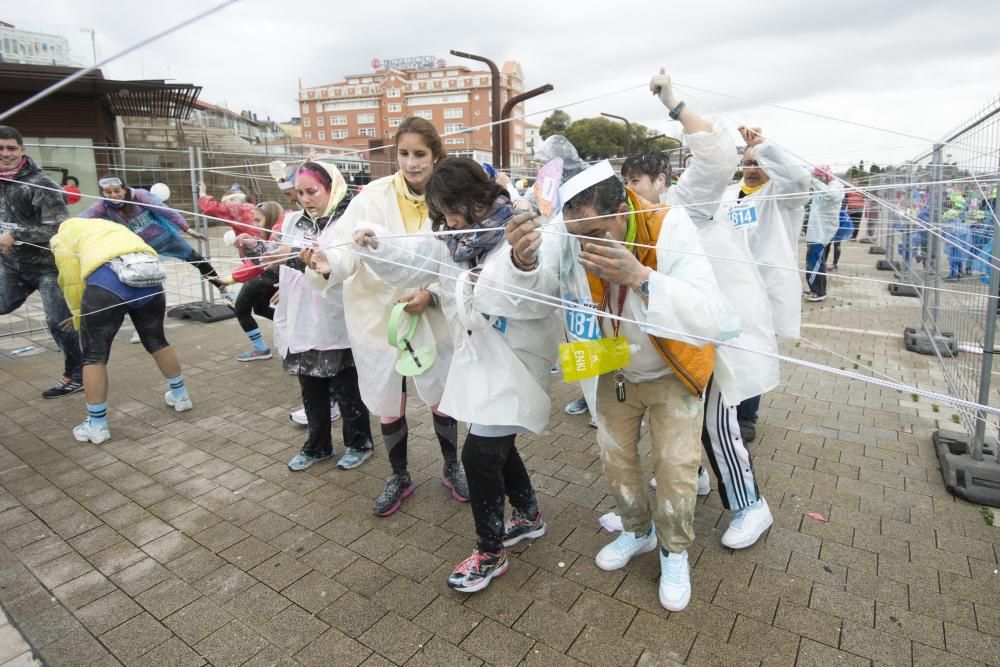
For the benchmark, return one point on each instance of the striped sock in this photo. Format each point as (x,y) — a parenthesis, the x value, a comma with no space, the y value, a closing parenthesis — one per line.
(177,389)
(98,413)
(257,340)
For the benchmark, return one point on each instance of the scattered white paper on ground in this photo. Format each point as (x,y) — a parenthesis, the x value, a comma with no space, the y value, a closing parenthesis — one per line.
(611,522)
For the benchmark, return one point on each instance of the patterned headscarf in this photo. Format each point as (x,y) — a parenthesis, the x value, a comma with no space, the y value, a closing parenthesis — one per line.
(472,246)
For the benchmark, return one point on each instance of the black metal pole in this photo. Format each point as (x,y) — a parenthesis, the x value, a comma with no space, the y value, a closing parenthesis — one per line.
(505,114)
(495,111)
(628,131)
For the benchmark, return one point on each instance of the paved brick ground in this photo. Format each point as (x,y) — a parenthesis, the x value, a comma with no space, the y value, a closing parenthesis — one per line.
(185,540)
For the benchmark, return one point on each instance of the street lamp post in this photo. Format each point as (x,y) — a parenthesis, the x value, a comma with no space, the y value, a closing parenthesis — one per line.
(505,114)
(628,131)
(495,110)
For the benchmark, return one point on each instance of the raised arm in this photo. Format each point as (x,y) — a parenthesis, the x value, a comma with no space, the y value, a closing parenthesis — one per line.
(713,156)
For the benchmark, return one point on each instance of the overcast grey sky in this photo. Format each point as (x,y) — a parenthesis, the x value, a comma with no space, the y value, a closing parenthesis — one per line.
(918,67)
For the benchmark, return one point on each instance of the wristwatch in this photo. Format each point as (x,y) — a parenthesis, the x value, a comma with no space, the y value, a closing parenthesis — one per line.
(644,288)
(675,113)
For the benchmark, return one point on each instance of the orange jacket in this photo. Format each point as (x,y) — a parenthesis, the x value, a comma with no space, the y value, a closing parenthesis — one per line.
(692,365)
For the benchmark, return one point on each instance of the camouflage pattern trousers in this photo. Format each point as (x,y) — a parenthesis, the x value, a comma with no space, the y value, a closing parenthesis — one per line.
(675,419)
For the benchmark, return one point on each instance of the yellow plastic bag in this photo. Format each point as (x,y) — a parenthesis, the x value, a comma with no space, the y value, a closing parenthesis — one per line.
(584,359)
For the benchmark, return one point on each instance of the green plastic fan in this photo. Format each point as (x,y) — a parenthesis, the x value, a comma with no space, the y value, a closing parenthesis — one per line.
(411,361)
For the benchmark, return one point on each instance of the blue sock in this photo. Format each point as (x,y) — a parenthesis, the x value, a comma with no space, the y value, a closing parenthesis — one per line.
(98,413)
(257,340)
(177,389)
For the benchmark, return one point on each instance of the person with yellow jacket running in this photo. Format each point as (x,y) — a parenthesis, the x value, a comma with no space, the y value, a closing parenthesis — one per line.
(106,271)
(648,274)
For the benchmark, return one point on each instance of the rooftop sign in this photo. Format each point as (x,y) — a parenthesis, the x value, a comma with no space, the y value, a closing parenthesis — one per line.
(416,62)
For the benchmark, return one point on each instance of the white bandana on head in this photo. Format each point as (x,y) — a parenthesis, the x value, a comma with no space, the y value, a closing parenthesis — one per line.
(585,179)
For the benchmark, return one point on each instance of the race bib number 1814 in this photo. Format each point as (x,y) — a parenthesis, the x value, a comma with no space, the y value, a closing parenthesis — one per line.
(743,216)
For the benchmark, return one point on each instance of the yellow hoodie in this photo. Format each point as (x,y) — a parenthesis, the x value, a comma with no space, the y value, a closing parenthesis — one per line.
(82,246)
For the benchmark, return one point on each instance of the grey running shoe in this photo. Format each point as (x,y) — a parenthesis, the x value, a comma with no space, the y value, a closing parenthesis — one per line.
(454,478)
(302,460)
(353,457)
(522,527)
(577,407)
(397,487)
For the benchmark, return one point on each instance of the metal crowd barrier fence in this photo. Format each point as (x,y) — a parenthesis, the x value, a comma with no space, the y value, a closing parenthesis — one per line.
(939,240)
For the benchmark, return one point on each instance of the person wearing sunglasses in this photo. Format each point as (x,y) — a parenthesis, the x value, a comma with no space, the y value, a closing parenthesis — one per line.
(158,225)
(31,208)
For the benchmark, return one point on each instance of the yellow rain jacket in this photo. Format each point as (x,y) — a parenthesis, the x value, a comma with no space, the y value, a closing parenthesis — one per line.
(81,247)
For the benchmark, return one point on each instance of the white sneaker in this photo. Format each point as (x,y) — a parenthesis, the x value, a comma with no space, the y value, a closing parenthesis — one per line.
(616,555)
(299,416)
(704,483)
(182,404)
(675,581)
(135,338)
(87,432)
(747,525)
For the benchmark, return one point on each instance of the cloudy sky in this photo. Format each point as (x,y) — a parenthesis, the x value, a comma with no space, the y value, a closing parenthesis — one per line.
(916,67)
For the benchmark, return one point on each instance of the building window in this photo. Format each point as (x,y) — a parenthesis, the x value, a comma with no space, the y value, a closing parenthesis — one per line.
(447,98)
(338,134)
(426,114)
(394,122)
(366,132)
(395,108)
(453,127)
(350,104)
(338,120)
(322,135)
(454,142)
(365,118)
(309,135)
(319,121)
(392,92)
(453,112)
(307,122)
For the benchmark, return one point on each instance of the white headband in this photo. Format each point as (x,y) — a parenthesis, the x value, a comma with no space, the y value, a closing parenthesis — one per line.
(585,179)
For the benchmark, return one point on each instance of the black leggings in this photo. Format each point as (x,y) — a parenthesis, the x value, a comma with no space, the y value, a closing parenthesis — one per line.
(206,270)
(495,471)
(101,316)
(836,253)
(255,297)
(316,395)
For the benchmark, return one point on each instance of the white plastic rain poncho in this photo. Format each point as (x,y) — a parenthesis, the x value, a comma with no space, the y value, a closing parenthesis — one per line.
(305,319)
(740,372)
(770,220)
(368,302)
(824,212)
(499,374)
(692,200)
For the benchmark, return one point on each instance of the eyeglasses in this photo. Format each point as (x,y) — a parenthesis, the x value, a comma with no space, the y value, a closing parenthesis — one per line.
(110,182)
(750,163)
